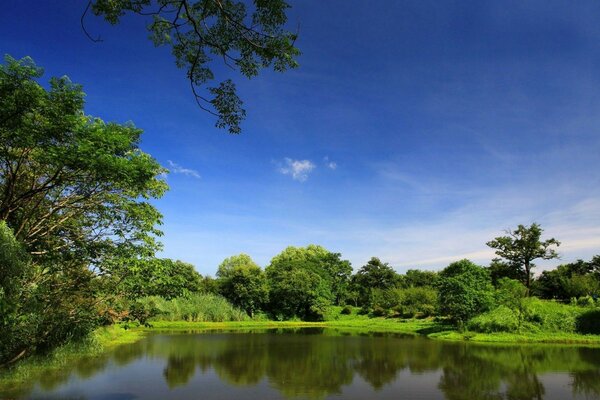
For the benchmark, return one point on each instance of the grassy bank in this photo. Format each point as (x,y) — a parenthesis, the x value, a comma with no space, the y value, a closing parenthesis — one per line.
(35,367)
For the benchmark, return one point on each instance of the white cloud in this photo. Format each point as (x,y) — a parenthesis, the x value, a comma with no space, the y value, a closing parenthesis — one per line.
(329,164)
(298,169)
(178,169)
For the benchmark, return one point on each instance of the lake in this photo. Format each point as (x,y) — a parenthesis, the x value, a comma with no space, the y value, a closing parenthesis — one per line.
(316,363)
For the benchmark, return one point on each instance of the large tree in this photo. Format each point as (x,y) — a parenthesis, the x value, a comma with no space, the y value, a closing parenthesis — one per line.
(305,280)
(523,245)
(241,35)
(375,274)
(74,191)
(243,283)
(464,291)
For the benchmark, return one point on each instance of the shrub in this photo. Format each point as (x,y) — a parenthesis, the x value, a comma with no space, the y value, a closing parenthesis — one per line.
(418,301)
(501,319)
(347,310)
(379,311)
(589,322)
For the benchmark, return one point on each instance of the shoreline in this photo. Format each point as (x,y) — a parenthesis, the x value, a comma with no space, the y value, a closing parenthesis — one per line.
(107,338)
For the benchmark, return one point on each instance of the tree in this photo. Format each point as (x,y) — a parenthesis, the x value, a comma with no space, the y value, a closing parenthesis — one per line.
(303,281)
(522,246)
(375,274)
(464,291)
(418,278)
(511,293)
(499,269)
(243,283)
(160,277)
(203,31)
(74,191)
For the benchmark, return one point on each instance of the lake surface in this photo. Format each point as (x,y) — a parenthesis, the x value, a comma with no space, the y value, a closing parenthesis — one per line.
(322,364)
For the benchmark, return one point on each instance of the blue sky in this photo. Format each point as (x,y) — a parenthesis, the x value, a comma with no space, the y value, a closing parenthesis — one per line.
(413,131)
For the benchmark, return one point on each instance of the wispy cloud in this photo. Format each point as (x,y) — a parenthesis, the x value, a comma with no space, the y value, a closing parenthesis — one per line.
(178,169)
(297,169)
(328,163)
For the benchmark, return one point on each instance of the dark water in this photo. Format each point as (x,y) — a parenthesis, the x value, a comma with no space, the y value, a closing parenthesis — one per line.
(318,364)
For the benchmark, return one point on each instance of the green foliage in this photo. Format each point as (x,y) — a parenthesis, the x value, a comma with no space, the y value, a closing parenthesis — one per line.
(305,281)
(522,246)
(588,322)
(200,33)
(194,308)
(74,190)
(500,319)
(409,302)
(243,283)
(537,316)
(465,290)
(159,277)
(499,269)
(347,310)
(578,279)
(418,278)
(373,276)
(418,301)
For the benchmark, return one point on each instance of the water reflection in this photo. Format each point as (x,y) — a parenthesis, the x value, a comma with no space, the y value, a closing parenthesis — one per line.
(316,364)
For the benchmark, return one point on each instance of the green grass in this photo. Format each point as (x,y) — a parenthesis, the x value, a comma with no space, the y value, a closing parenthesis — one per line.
(34,367)
(505,337)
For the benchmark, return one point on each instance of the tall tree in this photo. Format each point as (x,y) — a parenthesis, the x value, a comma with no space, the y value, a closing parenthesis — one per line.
(305,280)
(74,192)
(243,283)
(375,274)
(524,245)
(244,37)
(464,290)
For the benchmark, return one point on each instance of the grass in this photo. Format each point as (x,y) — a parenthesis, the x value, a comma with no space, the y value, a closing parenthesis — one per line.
(32,368)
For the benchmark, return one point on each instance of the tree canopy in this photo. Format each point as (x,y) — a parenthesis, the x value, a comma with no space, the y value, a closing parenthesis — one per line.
(202,33)
(464,290)
(74,191)
(524,245)
(243,283)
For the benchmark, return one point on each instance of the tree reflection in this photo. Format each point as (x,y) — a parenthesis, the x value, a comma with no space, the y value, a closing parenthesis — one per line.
(324,363)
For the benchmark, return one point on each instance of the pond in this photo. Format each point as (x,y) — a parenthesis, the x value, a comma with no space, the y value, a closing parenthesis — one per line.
(319,364)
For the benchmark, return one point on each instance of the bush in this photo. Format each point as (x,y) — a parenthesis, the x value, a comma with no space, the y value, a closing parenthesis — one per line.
(551,316)
(379,311)
(501,319)
(418,301)
(347,310)
(589,322)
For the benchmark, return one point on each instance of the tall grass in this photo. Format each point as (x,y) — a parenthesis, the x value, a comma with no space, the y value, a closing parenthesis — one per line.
(196,308)
(538,316)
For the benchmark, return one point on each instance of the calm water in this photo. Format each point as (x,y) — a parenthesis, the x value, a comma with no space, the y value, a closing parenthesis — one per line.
(317,364)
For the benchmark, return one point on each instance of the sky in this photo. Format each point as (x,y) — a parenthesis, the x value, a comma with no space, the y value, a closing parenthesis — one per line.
(412,131)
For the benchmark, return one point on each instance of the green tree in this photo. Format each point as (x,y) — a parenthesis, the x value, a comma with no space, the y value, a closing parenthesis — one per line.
(375,274)
(418,278)
(203,33)
(522,246)
(464,291)
(75,192)
(160,277)
(512,294)
(302,281)
(243,283)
